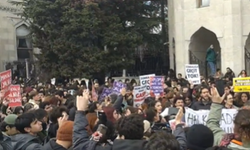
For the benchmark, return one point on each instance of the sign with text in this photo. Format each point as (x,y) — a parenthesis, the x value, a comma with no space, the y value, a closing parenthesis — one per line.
(105,92)
(144,81)
(156,84)
(139,94)
(241,84)
(117,86)
(15,98)
(193,73)
(200,117)
(5,82)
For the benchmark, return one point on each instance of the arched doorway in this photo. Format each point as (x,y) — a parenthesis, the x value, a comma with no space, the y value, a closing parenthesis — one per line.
(247,54)
(199,43)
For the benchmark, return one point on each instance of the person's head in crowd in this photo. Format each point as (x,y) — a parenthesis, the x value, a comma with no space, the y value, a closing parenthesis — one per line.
(187,100)
(131,110)
(152,115)
(27,107)
(59,94)
(185,89)
(24,99)
(112,98)
(156,105)
(41,116)
(112,114)
(127,81)
(57,113)
(94,107)
(34,95)
(179,76)
(64,136)
(243,73)
(130,127)
(55,101)
(244,97)
(173,82)
(242,126)
(27,123)
(162,141)
(179,102)
(175,89)
(8,125)
(228,100)
(18,110)
(46,106)
(199,137)
(227,89)
(204,94)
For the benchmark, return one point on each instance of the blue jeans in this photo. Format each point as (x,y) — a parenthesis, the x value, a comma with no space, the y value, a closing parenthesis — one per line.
(212,68)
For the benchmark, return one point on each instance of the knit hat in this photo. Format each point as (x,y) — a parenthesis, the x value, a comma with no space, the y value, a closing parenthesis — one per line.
(199,137)
(65,132)
(10,119)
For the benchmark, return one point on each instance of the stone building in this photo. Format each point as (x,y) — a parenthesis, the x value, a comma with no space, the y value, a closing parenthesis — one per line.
(15,41)
(196,24)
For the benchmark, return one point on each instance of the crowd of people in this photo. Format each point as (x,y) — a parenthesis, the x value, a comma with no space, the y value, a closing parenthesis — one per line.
(69,116)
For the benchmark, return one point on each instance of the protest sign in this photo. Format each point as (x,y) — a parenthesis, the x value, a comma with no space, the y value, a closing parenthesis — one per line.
(53,81)
(117,86)
(144,81)
(241,84)
(193,73)
(15,96)
(105,92)
(200,117)
(139,94)
(6,78)
(156,84)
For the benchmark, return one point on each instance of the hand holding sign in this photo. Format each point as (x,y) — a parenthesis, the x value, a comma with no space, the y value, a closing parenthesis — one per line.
(216,96)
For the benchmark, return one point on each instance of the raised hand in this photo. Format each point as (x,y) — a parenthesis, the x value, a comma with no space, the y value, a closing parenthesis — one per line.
(83,101)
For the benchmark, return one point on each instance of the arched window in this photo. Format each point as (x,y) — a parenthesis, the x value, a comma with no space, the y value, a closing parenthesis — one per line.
(24,42)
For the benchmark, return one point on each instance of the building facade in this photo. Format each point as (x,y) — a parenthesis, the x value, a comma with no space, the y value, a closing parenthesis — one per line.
(194,25)
(15,39)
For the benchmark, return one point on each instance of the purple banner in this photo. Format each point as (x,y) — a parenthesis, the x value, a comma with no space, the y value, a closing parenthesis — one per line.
(156,84)
(117,86)
(105,92)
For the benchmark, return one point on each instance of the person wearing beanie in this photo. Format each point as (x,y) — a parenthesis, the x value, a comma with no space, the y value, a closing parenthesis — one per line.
(199,137)
(8,128)
(63,139)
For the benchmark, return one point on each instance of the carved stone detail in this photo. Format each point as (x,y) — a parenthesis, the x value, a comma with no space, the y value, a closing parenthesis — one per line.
(9,9)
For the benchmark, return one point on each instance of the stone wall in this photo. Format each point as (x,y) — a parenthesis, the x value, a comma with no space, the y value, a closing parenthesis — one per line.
(229,20)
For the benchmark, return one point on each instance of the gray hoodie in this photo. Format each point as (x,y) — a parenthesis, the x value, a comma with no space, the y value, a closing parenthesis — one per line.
(25,140)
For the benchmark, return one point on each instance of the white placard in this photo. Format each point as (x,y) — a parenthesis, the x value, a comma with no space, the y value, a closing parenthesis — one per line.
(144,81)
(140,94)
(193,73)
(200,117)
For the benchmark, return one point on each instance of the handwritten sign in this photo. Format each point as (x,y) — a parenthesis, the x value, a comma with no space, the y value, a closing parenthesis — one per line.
(15,96)
(193,73)
(5,82)
(200,117)
(117,86)
(241,84)
(156,84)
(139,94)
(145,81)
(105,92)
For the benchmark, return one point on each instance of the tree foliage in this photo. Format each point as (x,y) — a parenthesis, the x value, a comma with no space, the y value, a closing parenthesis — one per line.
(78,38)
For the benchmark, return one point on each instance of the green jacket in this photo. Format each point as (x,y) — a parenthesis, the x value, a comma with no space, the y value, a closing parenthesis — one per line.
(211,55)
(213,123)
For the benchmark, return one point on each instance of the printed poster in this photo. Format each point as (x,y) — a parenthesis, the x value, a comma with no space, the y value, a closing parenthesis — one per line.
(6,78)
(193,73)
(139,94)
(241,84)
(145,81)
(15,98)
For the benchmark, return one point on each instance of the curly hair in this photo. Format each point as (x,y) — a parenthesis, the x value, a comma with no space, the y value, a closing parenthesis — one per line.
(131,127)
(242,123)
(162,141)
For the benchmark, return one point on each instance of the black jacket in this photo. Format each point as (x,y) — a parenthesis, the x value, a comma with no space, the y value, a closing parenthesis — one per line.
(52,145)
